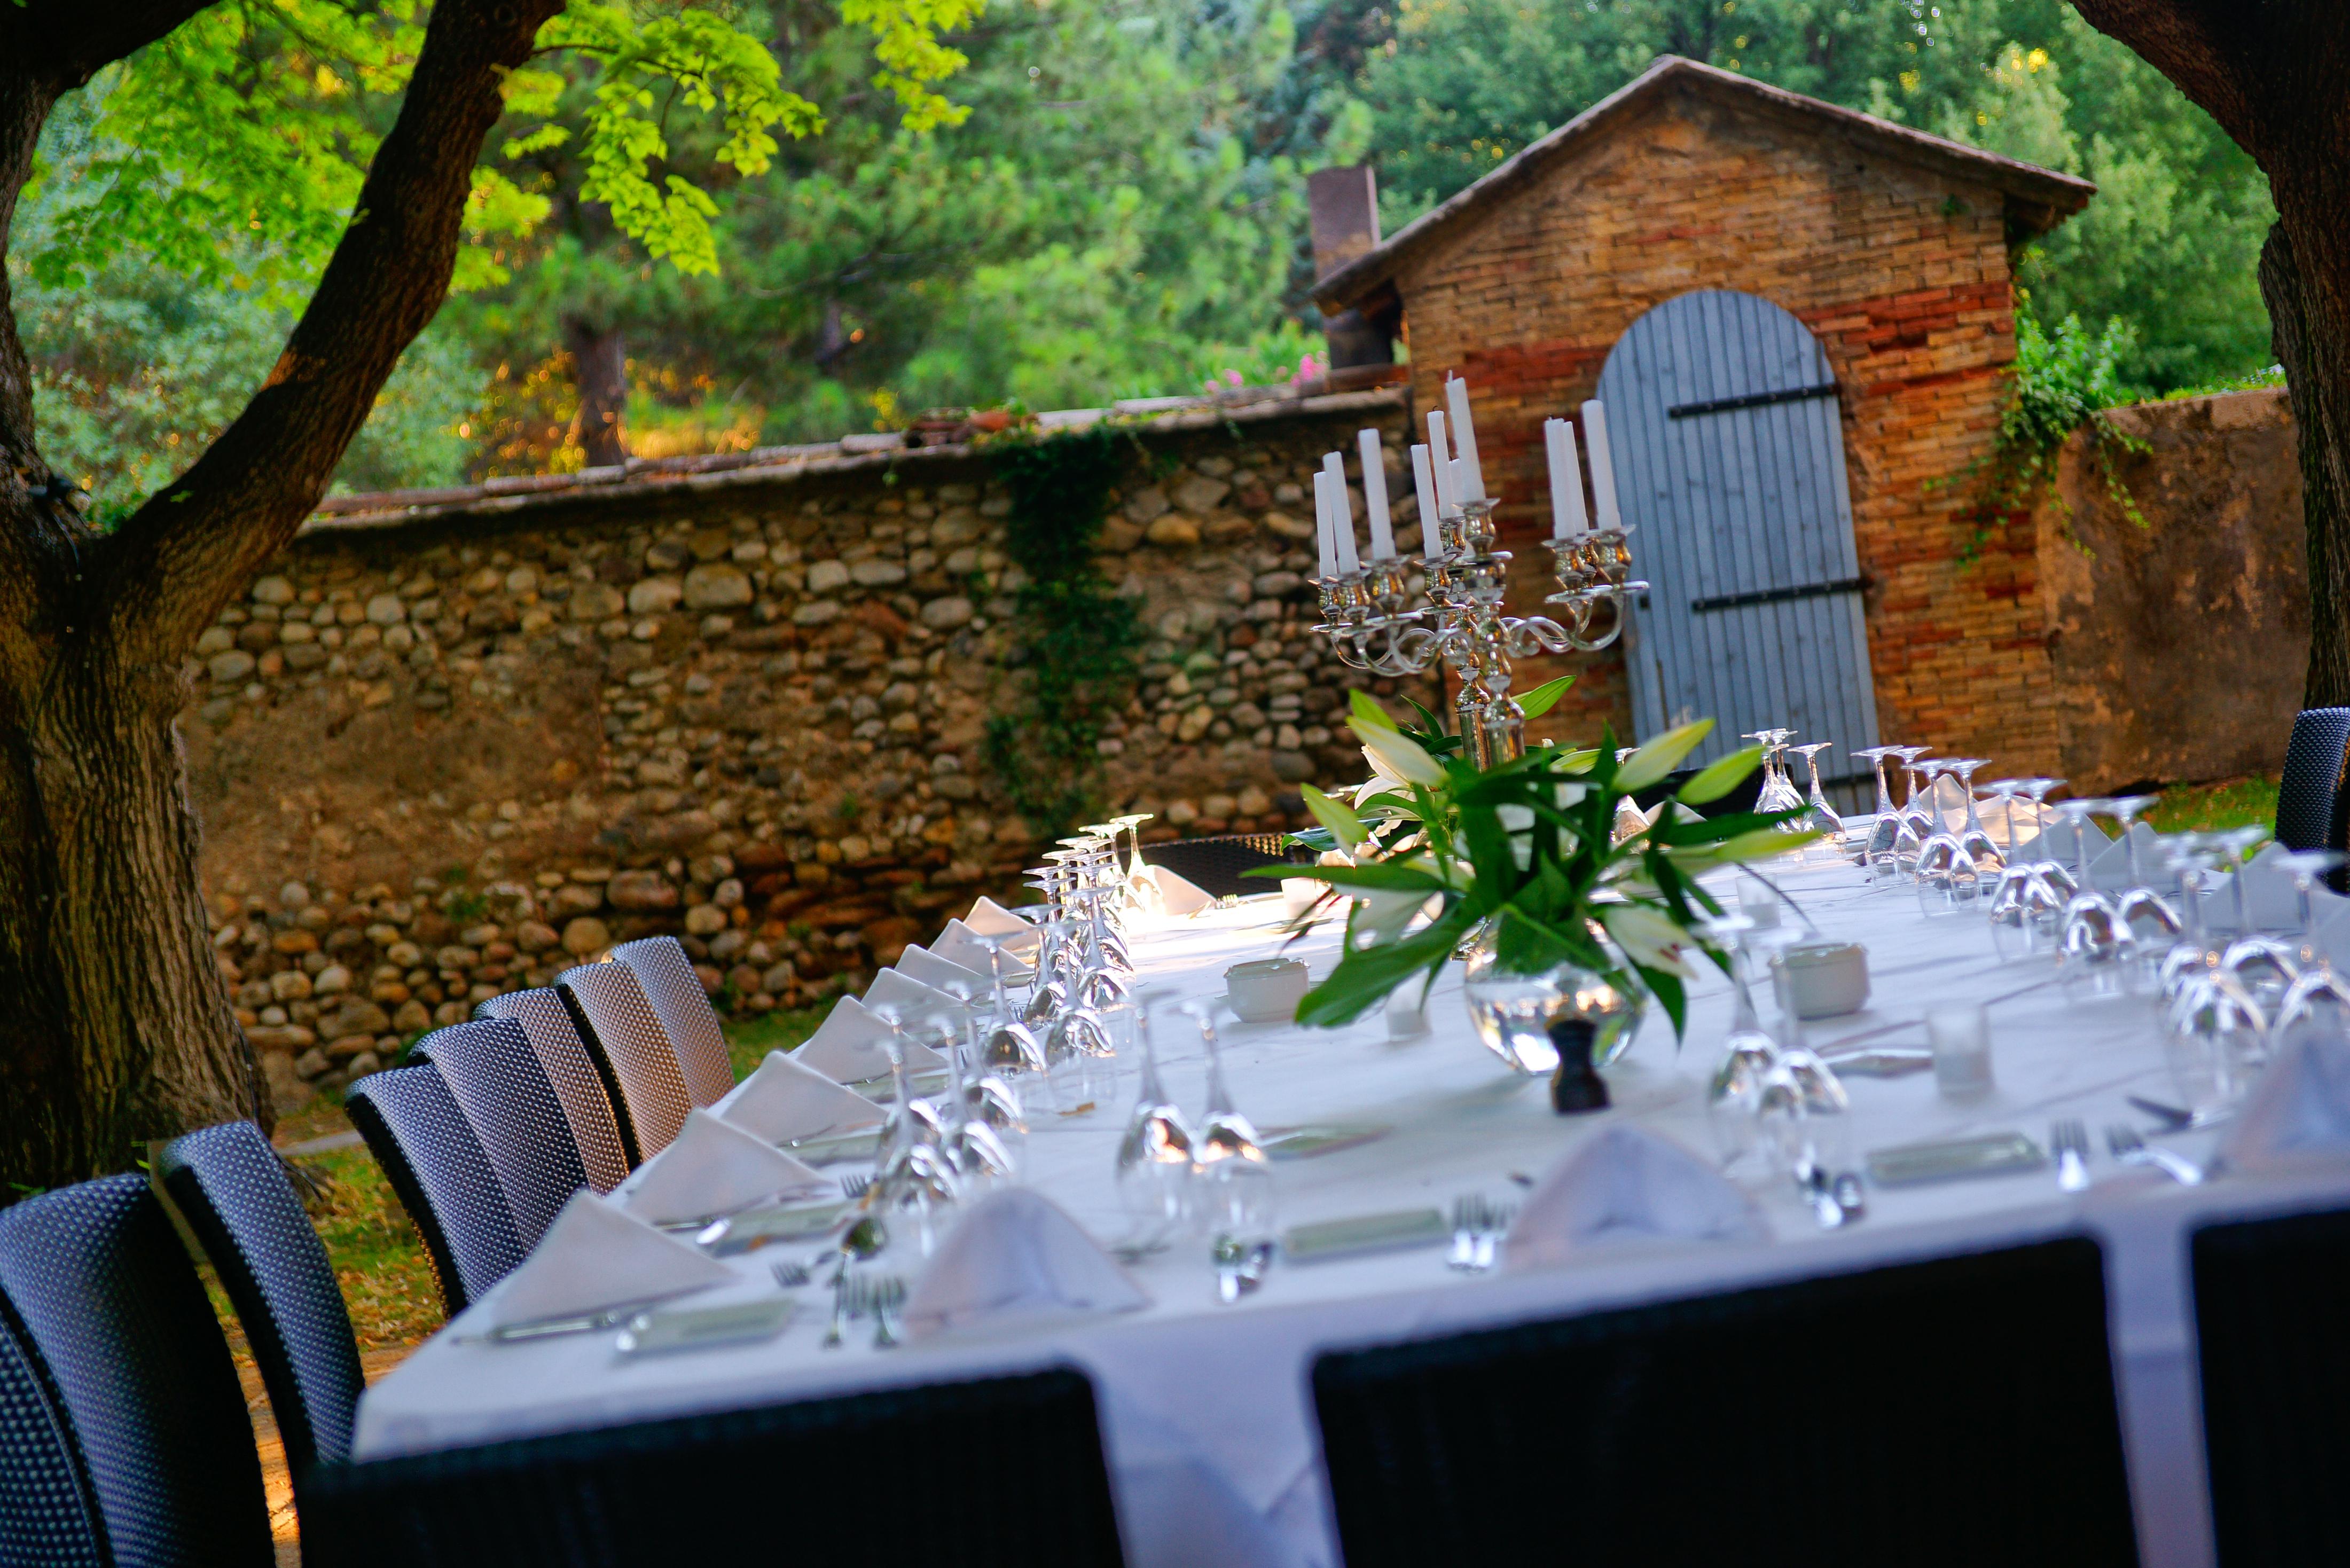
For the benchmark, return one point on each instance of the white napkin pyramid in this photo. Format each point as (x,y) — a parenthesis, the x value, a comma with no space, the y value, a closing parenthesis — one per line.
(847,1047)
(990,919)
(960,944)
(786,1100)
(713,1167)
(2298,1113)
(1016,1254)
(911,998)
(596,1256)
(2111,868)
(920,964)
(2054,841)
(1626,1184)
(1178,895)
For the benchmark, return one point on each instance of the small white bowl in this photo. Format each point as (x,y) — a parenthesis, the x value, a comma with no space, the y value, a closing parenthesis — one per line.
(1822,979)
(1266,990)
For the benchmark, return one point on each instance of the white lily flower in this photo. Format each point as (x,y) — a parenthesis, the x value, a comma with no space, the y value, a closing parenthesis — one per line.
(1648,938)
(1396,755)
(1384,914)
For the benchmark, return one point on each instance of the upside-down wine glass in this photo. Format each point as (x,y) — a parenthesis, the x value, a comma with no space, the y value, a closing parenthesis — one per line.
(2319,997)
(2096,951)
(1916,822)
(1733,1094)
(2147,916)
(2266,965)
(1878,844)
(1821,818)
(2214,1032)
(1154,1157)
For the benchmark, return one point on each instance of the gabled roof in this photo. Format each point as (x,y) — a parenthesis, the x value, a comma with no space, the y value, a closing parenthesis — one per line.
(2037,199)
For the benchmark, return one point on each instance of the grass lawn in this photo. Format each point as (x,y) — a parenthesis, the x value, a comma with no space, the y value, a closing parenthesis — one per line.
(2232,803)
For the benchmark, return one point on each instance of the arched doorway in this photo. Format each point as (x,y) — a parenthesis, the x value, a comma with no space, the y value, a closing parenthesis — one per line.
(1722,420)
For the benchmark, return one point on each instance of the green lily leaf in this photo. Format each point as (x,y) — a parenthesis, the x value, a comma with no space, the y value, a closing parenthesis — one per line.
(1364,709)
(1334,815)
(1660,756)
(1718,778)
(1544,696)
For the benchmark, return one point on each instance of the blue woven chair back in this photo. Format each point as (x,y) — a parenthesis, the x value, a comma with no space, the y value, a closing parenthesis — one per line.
(418,1134)
(622,1496)
(686,1016)
(232,1192)
(102,1290)
(498,1082)
(2313,809)
(2276,1368)
(1958,1411)
(617,1022)
(49,1515)
(586,1103)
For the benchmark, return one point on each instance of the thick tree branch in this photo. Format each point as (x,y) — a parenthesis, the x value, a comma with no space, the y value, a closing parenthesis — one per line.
(196,543)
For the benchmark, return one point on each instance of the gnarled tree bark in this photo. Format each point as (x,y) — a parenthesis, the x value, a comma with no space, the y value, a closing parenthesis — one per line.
(2276,77)
(114,1027)
(600,363)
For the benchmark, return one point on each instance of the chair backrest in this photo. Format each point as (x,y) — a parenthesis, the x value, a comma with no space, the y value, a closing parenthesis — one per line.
(418,1134)
(687,1018)
(1214,865)
(586,1103)
(234,1194)
(49,1515)
(624,1035)
(103,1292)
(498,1082)
(2276,1384)
(1962,1408)
(615,1496)
(2312,810)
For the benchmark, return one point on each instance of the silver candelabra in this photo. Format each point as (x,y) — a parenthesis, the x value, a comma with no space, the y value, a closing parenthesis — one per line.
(1372,621)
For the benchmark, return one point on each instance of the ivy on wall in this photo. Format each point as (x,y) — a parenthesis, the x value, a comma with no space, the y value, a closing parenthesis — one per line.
(1074,637)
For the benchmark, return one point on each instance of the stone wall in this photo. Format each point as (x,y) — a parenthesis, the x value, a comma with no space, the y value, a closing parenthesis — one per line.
(443,751)
(2181,646)
(1901,273)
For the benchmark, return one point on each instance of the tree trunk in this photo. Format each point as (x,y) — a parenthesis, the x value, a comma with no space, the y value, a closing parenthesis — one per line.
(2314,378)
(109,996)
(602,366)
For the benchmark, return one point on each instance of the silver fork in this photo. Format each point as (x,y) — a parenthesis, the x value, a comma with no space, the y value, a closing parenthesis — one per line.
(854,1186)
(791,1277)
(886,1295)
(845,1293)
(1496,1218)
(2131,1150)
(2070,1139)
(1467,1211)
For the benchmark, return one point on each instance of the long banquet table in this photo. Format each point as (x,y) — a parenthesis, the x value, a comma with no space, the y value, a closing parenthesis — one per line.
(1206,1410)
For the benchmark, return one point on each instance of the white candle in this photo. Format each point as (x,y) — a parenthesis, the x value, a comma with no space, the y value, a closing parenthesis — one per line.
(1603,466)
(1440,455)
(1342,513)
(1375,495)
(1566,515)
(1464,440)
(1423,482)
(1324,534)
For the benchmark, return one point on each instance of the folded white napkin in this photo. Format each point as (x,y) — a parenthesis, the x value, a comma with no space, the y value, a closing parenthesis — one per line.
(990,919)
(1016,1254)
(2299,1111)
(847,1047)
(2111,868)
(1627,1184)
(911,998)
(922,964)
(596,1256)
(1178,895)
(784,1100)
(960,944)
(713,1167)
(2029,820)
(2054,842)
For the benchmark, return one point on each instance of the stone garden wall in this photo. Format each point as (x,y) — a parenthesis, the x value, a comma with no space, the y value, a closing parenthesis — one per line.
(447,746)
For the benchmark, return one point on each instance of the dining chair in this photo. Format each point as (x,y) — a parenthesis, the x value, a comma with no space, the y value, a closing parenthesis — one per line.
(229,1186)
(498,1082)
(418,1134)
(100,1289)
(49,1516)
(683,1008)
(1958,1410)
(587,1104)
(2313,809)
(612,1496)
(2275,1373)
(1213,865)
(623,1034)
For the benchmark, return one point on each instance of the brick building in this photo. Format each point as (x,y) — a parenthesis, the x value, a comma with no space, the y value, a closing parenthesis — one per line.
(1838,290)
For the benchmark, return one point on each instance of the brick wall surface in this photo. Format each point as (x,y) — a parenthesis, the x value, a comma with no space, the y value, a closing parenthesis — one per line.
(1903,275)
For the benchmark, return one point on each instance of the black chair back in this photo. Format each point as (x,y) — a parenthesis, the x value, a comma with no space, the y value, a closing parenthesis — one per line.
(587,1103)
(417,1132)
(1955,1411)
(617,1022)
(499,1083)
(103,1291)
(49,1515)
(625,1496)
(1214,865)
(2276,1384)
(2313,809)
(232,1192)
(685,1013)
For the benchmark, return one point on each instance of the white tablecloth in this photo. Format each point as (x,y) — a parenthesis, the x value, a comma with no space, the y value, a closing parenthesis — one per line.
(1205,1408)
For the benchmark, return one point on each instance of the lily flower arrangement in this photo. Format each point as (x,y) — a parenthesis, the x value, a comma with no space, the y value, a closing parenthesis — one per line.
(1531,845)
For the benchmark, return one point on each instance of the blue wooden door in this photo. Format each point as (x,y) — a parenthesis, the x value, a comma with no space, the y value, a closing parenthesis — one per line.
(1722,420)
